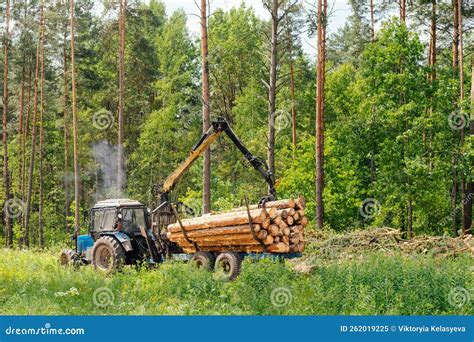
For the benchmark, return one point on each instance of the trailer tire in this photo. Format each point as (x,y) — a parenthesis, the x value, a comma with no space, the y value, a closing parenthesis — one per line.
(228,265)
(204,260)
(107,255)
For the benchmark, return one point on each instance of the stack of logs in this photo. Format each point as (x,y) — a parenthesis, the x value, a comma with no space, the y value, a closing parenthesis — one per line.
(279,225)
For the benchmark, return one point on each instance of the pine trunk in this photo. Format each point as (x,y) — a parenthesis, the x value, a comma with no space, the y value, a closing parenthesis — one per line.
(292,93)
(6,173)
(26,237)
(67,202)
(206,121)
(272,87)
(322,11)
(41,154)
(74,122)
(121,98)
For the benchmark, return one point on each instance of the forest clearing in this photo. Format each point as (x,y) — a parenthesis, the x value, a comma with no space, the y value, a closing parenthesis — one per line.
(372,281)
(342,183)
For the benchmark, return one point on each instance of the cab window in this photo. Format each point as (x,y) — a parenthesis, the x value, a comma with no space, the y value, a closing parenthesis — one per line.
(109,219)
(97,217)
(133,219)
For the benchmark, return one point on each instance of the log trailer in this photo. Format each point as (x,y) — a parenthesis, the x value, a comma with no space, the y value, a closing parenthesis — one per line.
(124,231)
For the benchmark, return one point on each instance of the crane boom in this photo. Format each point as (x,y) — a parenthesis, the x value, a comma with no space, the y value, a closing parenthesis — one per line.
(216,129)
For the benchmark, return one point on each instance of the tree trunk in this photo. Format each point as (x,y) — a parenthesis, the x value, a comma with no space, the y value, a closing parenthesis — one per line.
(432,57)
(67,202)
(455,34)
(41,153)
(292,93)
(206,121)
(403,11)
(74,123)
(26,238)
(469,185)
(272,86)
(322,11)
(21,110)
(121,99)
(372,21)
(6,173)
(465,224)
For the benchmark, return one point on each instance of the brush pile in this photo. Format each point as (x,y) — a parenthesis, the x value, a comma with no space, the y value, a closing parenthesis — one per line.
(354,244)
(277,227)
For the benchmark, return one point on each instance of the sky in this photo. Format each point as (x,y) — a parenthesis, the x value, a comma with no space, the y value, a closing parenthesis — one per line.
(340,9)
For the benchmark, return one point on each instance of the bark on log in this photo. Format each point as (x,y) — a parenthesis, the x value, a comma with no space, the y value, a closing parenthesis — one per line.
(217,231)
(213,221)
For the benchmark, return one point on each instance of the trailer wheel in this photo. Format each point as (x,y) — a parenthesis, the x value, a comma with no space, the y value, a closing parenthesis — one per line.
(204,260)
(228,265)
(107,254)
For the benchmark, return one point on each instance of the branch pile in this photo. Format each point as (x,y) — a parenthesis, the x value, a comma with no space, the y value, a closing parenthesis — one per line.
(356,243)
(279,226)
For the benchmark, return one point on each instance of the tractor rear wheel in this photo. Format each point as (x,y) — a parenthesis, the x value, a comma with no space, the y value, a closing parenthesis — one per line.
(107,254)
(228,265)
(204,260)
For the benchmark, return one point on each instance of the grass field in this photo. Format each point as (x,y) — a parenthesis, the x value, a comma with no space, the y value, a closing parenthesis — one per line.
(34,283)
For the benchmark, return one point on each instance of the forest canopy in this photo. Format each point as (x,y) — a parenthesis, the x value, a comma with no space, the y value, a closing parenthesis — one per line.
(397,137)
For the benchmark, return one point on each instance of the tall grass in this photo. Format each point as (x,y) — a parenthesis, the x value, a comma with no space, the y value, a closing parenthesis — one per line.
(34,283)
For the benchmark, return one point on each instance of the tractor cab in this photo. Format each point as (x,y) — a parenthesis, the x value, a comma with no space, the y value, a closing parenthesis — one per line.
(123,215)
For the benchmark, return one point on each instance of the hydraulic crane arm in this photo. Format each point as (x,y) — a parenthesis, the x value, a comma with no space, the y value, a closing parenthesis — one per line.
(216,129)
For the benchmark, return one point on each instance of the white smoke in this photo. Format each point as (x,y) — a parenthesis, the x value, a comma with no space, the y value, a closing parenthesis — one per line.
(106,158)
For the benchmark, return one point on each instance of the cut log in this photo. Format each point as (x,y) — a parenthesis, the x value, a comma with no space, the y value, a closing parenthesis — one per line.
(295,239)
(285,240)
(291,212)
(268,240)
(296,216)
(286,231)
(266,223)
(229,243)
(284,214)
(280,204)
(283,225)
(276,239)
(300,212)
(222,220)
(217,238)
(217,231)
(262,235)
(300,203)
(303,221)
(290,221)
(278,220)
(274,248)
(273,213)
(274,230)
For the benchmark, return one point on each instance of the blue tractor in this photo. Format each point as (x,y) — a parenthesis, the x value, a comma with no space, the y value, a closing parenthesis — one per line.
(119,233)
(123,231)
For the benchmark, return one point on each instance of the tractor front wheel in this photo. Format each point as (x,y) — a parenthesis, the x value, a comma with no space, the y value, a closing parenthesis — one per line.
(107,254)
